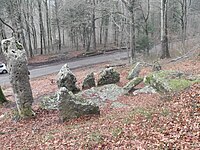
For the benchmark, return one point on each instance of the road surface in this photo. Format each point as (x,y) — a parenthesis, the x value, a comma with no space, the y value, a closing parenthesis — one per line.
(53,68)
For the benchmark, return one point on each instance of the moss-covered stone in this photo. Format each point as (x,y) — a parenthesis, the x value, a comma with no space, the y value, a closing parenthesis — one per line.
(134,82)
(26,112)
(134,71)
(178,84)
(66,78)
(49,102)
(89,81)
(108,76)
(169,81)
(72,107)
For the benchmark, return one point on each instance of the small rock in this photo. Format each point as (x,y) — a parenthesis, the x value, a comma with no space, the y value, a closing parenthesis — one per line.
(66,78)
(89,81)
(108,76)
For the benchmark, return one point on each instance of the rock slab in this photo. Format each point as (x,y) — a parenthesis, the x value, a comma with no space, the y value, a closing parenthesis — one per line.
(135,71)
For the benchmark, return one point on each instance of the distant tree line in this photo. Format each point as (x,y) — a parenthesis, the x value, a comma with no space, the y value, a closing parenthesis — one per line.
(52,26)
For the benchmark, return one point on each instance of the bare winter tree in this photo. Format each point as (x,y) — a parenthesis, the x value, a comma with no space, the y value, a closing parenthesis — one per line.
(164,30)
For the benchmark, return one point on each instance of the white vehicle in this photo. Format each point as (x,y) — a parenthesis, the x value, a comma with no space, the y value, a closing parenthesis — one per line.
(3,68)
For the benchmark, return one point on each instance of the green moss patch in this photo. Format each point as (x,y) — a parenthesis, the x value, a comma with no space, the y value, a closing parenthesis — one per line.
(169,81)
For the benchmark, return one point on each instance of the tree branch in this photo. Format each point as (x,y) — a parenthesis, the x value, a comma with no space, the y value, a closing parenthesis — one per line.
(7,25)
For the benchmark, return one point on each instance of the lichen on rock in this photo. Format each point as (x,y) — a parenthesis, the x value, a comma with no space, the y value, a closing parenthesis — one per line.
(168,81)
(108,76)
(134,82)
(103,94)
(72,107)
(16,59)
(66,78)
(135,71)
(89,81)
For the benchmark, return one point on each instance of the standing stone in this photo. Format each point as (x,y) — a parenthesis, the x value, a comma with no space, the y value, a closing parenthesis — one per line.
(71,107)
(135,71)
(66,78)
(108,76)
(16,58)
(89,81)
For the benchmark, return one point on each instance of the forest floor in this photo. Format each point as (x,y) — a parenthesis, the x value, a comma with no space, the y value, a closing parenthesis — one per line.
(150,121)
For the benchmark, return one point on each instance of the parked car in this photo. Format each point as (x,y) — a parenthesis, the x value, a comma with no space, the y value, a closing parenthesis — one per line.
(3,68)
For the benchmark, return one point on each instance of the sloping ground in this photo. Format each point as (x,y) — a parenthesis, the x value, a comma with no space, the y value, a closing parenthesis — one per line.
(149,121)
(171,124)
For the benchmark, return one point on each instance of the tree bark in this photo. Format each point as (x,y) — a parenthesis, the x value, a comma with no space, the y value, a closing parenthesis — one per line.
(164,31)
(42,37)
(2,97)
(48,25)
(131,5)
(58,25)
(33,28)
(94,27)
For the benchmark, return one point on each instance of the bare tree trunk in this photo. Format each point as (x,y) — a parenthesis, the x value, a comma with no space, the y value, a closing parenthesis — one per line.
(50,29)
(58,25)
(27,19)
(164,31)
(131,7)
(94,27)
(48,25)
(106,19)
(42,35)
(33,28)
(88,39)
(183,19)
(2,97)
(101,32)
(132,37)
(2,31)
(63,37)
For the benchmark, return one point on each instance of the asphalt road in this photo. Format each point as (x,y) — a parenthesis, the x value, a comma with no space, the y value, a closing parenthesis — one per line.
(53,68)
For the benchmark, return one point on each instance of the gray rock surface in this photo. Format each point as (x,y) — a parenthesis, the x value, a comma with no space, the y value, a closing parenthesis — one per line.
(71,107)
(133,83)
(16,59)
(108,76)
(103,94)
(66,78)
(89,81)
(49,102)
(118,105)
(146,90)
